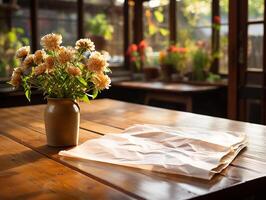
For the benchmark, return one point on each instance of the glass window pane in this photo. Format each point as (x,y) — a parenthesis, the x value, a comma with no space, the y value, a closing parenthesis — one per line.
(255,9)
(11,40)
(255,46)
(186,36)
(224,10)
(103,24)
(156,23)
(59,17)
(223,69)
(194,13)
(223,61)
(193,21)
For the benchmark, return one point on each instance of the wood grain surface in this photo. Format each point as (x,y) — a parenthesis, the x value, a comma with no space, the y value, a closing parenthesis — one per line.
(22,130)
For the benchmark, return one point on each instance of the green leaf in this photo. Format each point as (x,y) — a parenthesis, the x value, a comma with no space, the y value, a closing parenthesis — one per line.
(108,70)
(164,32)
(94,94)
(28,94)
(85,98)
(12,37)
(82,81)
(158,16)
(152,29)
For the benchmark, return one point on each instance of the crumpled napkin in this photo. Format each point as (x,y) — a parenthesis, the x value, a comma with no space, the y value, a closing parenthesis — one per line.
(177,150)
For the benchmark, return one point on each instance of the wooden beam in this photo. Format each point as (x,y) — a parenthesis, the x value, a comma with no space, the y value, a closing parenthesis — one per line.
(138,21)
(242,56)
(80,10)
(215,36)
(172,20)
(264,70)
(34,24)
(126,32)
(233,60)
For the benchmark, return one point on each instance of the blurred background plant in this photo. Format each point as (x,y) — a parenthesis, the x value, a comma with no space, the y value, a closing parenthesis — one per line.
(175,56)
(10,41)
(99,30)
(99,26)
(201,61)
(134,57)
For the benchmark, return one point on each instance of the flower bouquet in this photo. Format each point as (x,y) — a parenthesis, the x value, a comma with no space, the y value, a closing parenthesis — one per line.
(65,75)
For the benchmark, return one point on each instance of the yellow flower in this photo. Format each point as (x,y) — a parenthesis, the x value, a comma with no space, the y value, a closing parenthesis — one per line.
(16,77)
(96,63)
(40,69)
(23,52)
(50,62)
(65,55)
(74,71)
(28,62)
(51,42)
(39,56)
(85,45)
(101,81)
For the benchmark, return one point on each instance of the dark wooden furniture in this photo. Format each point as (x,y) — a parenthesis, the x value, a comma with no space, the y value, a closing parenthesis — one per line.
(191,97)
(31,170)
(247,83)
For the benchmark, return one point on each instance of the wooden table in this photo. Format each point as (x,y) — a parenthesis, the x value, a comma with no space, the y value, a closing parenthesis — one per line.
(179,93)
(31,170)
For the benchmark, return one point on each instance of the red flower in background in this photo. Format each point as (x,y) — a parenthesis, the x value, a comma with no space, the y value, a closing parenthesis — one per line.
(133,59)
(181,50)
(175,49)
(217,19)
(132,48)
(143,45)
(172,48)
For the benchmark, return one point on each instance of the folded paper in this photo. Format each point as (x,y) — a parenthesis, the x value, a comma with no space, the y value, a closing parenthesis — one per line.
(177,150)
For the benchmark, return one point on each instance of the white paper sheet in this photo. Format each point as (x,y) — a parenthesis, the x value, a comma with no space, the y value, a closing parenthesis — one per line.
(176,150)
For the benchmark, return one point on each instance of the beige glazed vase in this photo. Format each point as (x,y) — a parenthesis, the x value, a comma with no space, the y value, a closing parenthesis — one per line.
(62,117)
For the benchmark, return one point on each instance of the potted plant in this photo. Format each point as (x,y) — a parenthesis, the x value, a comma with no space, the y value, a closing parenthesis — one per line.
(173,60)
(201,61)
(137,57)
(9,42)
(66,76)
(99,30)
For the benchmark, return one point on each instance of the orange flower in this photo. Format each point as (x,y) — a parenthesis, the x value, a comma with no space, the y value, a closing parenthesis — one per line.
(40,69)
(74,71)
(181,50)
(172,48)
(23,52)
(39,56)
(101,81)
(16,77)
(51,42)
(50,62)
(162,56)
(96,63)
